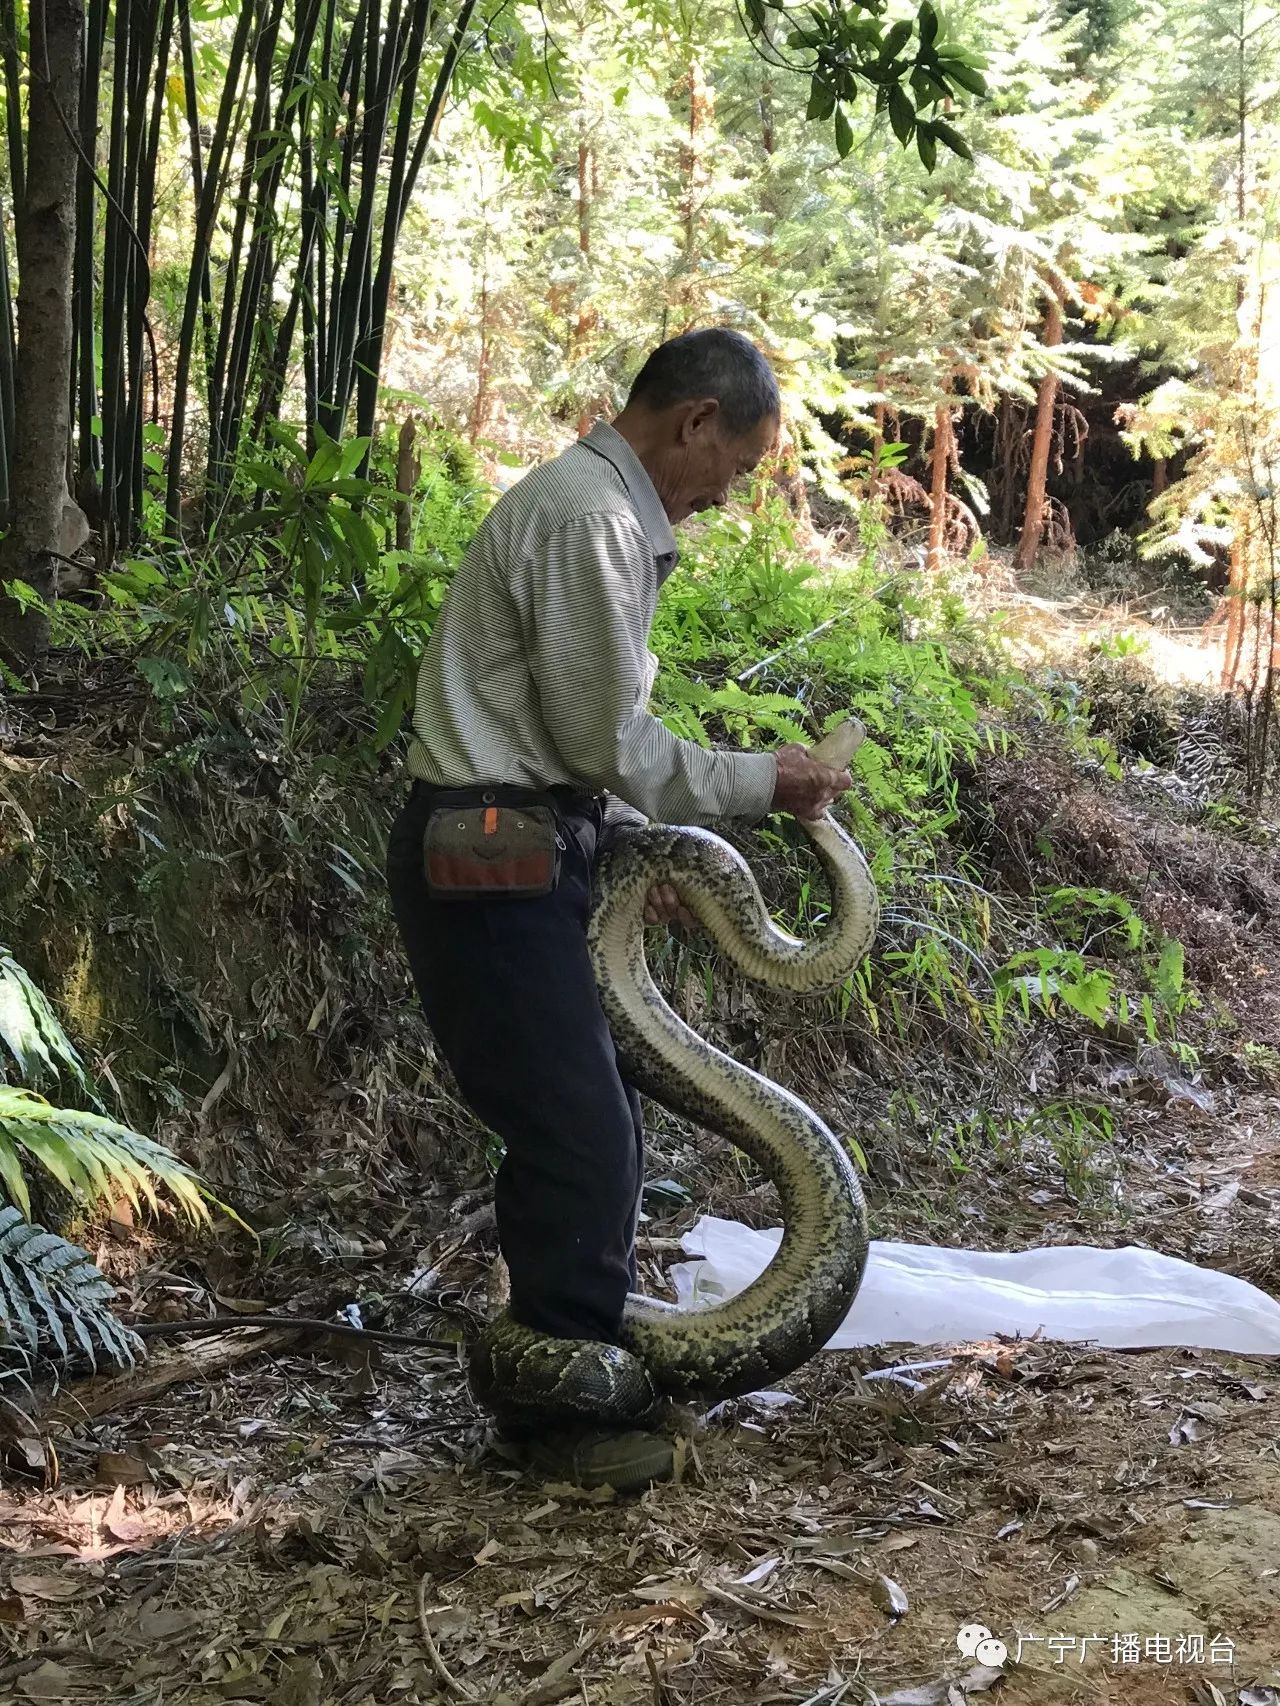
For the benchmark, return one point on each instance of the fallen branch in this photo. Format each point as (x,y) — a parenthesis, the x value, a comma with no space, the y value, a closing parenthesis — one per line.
(105,1394)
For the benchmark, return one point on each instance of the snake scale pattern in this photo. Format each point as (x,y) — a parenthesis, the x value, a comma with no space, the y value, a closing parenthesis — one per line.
(786,1315)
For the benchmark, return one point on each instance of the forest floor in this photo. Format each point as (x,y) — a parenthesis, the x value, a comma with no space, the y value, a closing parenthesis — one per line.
(260,1517)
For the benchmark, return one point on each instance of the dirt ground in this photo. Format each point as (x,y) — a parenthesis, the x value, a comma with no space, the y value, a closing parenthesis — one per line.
(301,1526)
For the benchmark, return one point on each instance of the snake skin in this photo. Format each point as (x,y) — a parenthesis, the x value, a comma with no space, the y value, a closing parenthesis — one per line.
(786,1315)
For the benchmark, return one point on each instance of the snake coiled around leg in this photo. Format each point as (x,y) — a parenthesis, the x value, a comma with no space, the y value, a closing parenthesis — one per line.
(786,1315)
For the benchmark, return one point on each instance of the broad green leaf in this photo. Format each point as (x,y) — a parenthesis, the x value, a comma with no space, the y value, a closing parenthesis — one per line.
(353,453)
(895,41)
(954,141)
(902,115)
(844,133)
(965,75)
(822,101)
(324,464)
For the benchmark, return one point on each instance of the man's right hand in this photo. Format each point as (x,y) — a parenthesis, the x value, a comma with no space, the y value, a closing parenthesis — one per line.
(806,788)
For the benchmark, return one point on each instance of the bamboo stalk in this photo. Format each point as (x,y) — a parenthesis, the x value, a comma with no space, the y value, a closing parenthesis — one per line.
(239,279)
(444,77)
(205,216)
(84,317)
(339,251)
(260,270)
(939,466)
(369,353)
(357,277)
(144,342)
(114,274)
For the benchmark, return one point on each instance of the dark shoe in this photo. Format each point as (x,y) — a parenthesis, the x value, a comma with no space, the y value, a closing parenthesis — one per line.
(624,1461)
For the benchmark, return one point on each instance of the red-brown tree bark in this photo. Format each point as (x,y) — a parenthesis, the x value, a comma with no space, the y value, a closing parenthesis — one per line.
(942,450)
(1041,444)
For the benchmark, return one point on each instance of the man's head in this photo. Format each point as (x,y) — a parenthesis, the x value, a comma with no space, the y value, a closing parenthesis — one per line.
(703,411)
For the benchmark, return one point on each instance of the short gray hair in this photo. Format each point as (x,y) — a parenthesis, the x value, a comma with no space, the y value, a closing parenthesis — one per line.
(711,363)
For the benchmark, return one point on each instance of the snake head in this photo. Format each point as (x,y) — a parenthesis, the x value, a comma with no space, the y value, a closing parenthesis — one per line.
(838,746)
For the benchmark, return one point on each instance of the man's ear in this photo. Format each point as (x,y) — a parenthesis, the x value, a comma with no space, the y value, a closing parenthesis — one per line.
(694,417)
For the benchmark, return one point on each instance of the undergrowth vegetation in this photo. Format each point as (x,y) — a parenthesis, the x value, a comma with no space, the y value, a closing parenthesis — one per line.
(311,654)
(52,1297)
(291,647)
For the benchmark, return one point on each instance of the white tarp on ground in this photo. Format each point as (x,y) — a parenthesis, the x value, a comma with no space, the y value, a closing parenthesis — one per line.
(917,1294)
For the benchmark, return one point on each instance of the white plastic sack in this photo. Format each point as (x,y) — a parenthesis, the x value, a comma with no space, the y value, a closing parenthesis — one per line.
(921,1295)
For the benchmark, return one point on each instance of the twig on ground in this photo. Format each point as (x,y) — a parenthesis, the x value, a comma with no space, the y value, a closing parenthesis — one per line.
(451,1683)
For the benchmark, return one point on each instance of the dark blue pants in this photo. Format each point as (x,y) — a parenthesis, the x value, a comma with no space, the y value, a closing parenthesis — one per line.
(509,994)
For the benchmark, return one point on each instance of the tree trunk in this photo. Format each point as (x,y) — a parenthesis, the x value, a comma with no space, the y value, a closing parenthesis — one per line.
(1038,473)
(586,313)
(692,172)
(877,437)
(44,523)
(768,130)
(938,494)
(1237,588)
(1159,477)
(480,408)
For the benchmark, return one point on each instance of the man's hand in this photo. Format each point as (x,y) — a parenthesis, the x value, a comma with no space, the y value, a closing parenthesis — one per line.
(805,788)
(662,906)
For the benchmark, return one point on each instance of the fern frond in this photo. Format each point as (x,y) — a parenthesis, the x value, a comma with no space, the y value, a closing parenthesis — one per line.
(51,1294)
(31,1029)
(90,1156)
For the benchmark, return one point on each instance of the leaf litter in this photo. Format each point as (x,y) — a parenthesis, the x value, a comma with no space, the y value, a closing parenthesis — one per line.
(358,1548)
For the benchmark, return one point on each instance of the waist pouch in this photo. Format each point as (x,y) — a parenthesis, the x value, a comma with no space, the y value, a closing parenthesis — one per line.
(496,842)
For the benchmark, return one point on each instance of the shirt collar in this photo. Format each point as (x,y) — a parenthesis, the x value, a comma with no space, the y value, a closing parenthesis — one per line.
(608,442)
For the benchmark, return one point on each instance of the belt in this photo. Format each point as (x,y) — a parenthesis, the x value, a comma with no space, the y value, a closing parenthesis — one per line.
(575,801)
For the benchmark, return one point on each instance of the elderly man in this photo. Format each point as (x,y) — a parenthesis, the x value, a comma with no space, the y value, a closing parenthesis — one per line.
(533,691)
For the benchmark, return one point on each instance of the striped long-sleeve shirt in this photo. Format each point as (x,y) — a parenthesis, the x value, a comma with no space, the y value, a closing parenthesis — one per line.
(538,670)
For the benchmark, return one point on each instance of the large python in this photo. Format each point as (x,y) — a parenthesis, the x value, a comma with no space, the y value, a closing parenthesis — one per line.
(793,1308)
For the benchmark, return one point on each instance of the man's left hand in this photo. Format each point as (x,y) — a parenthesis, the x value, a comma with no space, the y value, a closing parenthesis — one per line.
(662,906)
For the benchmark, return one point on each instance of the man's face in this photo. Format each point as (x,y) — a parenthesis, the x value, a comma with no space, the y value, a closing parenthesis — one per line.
(702,462)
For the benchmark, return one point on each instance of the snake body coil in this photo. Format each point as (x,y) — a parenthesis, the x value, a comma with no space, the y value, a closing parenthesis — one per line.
(793,1308)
